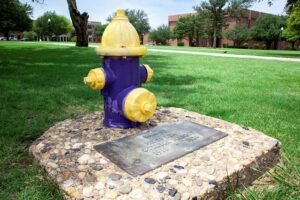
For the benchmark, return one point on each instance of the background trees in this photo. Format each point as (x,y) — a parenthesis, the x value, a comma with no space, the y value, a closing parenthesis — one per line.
(138,18)
(50,24)
(161,35)
(191,27)
(292,32)
(99,29)
(239,34)
(268,29)
(14,16)
(219,11)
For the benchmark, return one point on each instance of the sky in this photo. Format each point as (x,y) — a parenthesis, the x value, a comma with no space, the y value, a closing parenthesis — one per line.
(157,10)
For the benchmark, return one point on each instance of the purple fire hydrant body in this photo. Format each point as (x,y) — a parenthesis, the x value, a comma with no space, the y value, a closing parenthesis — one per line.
(122,76)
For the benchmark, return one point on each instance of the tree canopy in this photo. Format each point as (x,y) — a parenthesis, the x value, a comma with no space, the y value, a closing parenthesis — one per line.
(191,27)
(161,35)
(219,11)
(99,29)
(138,18)
(268,28)
(52,24)
(14,16)
(292,32)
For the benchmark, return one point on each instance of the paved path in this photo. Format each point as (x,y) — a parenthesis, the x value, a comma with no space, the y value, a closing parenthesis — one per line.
(206,54)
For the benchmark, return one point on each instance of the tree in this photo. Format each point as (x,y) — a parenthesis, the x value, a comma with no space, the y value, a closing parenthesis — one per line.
(52,24)
(292,32)
(219,11)
(99,29)
(29,35)
(267,28)
(239,34)
(191,27)
(161,35)
(138,18)
(80,22)
(14,16)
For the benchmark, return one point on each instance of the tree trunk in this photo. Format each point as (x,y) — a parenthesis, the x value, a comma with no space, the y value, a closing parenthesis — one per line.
(268,44)
(190,41)
(293,45)
(215,38)
(80,23)
(6,34)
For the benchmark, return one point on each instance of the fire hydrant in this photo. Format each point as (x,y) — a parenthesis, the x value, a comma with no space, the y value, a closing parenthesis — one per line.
(126,104)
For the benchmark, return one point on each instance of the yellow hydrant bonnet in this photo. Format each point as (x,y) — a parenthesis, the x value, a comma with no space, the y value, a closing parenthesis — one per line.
(120,38)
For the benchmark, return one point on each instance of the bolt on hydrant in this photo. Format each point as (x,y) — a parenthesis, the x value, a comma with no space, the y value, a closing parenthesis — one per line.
(126,104)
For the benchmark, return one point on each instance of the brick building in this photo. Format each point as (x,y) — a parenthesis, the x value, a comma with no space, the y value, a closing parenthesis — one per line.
(91,35)
(248,19)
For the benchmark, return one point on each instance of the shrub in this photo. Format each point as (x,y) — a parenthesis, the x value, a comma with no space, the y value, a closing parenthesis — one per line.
(245,45)
(225,45)
(180,44)
(288,47)
(29,35)
(73,39)
(256,46)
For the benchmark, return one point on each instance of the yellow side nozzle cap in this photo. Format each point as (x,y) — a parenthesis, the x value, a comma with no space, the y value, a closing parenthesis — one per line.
(140,105)
(95,79)
(150,73)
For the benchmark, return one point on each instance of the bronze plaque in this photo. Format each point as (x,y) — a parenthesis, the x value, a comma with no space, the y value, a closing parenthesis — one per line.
(149,149)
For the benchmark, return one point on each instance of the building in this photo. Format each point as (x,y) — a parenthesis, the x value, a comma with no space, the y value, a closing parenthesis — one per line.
(249,19)
(91,35)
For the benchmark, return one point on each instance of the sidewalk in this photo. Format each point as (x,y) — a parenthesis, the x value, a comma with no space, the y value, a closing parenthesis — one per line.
(206,54)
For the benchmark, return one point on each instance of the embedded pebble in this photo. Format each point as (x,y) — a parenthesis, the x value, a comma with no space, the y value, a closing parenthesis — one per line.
(125,189)
(111,194)
(114,177)
(52,156)
(172,192)
(185,196)
(68,183)
(87,191)
(160,188)
(84,159)
(137,194)
(99,186)
(161,176)
(178,167)
(150,180)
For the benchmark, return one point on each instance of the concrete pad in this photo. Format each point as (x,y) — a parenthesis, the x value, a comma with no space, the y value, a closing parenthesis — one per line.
(66,151)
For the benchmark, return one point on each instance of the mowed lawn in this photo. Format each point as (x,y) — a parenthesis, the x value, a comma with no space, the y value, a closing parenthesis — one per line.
(41,84)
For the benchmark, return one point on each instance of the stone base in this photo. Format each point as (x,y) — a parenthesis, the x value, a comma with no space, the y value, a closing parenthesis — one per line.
(66,152)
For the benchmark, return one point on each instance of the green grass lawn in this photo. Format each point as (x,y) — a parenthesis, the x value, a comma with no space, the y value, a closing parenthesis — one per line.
(41,84)
(252,52)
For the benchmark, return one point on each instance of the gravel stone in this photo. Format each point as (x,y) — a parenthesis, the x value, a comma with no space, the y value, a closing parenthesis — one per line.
(150,180)
(246,143)
(160,188)
(87,191)
(125,189)
(52,156)
(114,177)
(172,192)
(178,167)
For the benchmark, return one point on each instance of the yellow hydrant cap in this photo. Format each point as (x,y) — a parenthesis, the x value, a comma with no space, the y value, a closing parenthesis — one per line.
(95,79)
(120,38)
(139,105)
